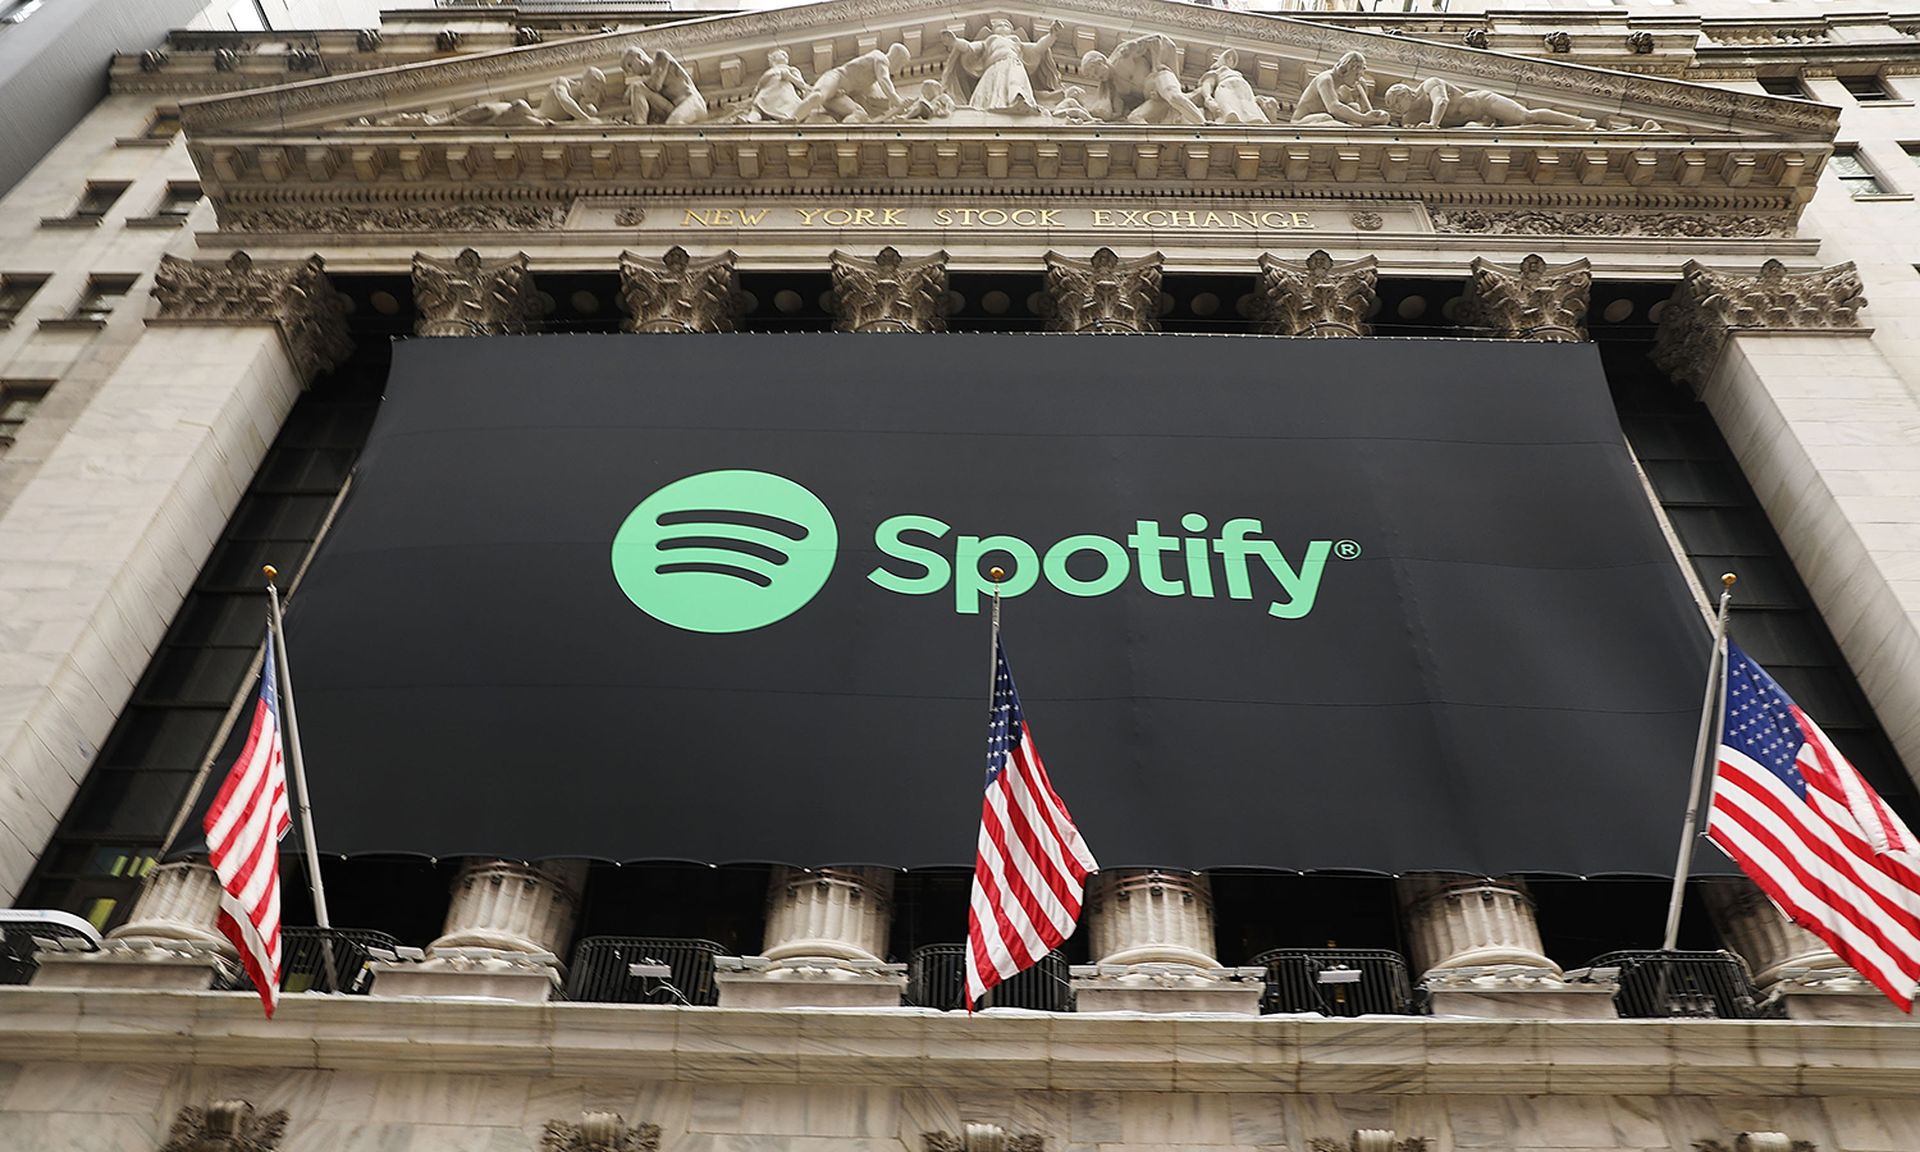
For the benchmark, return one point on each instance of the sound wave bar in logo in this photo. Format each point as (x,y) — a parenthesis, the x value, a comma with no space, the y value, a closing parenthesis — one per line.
(726,551)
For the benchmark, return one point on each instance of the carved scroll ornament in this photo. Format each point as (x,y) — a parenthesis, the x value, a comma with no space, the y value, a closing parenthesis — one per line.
(226,1126)
(471,295)
(599,1132)
(678,293)
(1316,296)
(890,293)
(1103,294)
(1533,300)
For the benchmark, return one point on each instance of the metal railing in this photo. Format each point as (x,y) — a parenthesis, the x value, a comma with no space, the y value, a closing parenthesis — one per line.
(937,978)
(1656,985)
(305,955)
(23,931)
(643,970)
(1338,982)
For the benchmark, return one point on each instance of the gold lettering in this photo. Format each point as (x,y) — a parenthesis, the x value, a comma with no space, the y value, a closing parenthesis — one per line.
(1273,219)
(1244,219)
(943,217)
(1130,218)
(863,216)
(694,217)
(1025,217)
(751,218)
(1191,219)
(966,217)
(892,218)
(1300,220)
(1049,217)
(993,217)
(807,215)
(1102,218)
(722,216)
(845,217)
(1165,218)
(1213,220)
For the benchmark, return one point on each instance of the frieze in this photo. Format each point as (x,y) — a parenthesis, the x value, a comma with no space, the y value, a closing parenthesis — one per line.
(1705,225)
(689,219)
(334,218)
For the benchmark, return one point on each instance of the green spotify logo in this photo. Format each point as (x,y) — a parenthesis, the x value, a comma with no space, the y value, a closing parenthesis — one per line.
(726,551)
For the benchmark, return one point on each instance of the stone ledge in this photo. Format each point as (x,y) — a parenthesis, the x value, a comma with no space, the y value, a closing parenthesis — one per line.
(917,1047)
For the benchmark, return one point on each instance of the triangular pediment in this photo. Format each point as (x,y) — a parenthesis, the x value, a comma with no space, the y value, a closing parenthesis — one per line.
(726,57)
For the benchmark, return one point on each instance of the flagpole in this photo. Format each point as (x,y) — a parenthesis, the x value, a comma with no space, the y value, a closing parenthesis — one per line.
(281,666)
(993,647)
(1715,667)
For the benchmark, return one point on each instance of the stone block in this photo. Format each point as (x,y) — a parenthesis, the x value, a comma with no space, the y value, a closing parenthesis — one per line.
(1168,988)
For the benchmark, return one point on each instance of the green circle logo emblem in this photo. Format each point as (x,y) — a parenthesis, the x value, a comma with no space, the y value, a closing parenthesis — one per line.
(726,551)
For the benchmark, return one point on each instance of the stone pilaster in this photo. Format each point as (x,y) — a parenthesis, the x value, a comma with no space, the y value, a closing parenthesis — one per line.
(1476,944)
(1151,934)
(678,293)
(471,295)
(295,297)
(506,932)
(1532,300)
(1104,293)
(170,940)
(825,943)
(1789,962)
(1318,296)
(1708,304)
(889,293)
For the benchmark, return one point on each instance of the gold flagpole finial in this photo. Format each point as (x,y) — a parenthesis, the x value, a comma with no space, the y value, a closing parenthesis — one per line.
(271,572)
(1727,580)
(996,574)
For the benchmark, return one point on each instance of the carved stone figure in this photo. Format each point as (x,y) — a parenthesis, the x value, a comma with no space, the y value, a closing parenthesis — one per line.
(861,89)
(998,72)
(1438,103)
(1138,83)
(226,1126)
(470,295)
(1104,294)
(1339,96)
(1708,303)
(599,1132)
(1316,296)
(677,293)
(932,103)
(660,90)
(1533,301)
(296,296)
(778,94)
(567,98)
(1226,95)
(889,293)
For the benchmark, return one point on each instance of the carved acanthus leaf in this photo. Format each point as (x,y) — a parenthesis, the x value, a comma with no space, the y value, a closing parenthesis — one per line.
(677,293)
(1103,294)
(890,293)
(1316,296)
(1371,1140)
(471,295)
(226,1126)
(983,1138)
(1533,300)
(599,1132)
(1607,223)
(295,295)
(334,218)
(1708,304)
(1757,1142)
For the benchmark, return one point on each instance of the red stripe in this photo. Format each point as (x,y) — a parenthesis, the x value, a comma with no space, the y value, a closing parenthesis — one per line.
(1032,779)
(1023,956)
(1043,787)
(1036,848)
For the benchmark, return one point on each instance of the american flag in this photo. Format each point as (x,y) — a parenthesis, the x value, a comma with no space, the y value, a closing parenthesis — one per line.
(1804,825)
(244,827)
(1033,865)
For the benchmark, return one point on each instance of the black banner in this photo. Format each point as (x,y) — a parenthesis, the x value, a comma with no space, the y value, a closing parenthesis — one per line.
(1343,604)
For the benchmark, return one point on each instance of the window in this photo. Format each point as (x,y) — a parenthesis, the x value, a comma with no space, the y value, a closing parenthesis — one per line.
(1784,86)
(103,294)
(18,399)
(1854,173)
(179,200)
(97,200)
(165,124)
(1865,89)
(15,291)
(1913,152)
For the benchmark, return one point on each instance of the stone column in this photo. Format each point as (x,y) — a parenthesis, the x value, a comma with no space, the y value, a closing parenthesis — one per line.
(825,944)
(1476,944)
(889,293)
(170,940)
(471,295)
(1151,934)
(1103,294)
(1316,296)
(1532,300)
(677,293)
(506,934)
(113,526)
(1789,962)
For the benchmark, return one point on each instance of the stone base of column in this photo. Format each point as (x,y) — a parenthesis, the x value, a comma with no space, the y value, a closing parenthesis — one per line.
(470,974)
(1168,988)
(159,965)
(1833,995)
(1516,992)
(808,982)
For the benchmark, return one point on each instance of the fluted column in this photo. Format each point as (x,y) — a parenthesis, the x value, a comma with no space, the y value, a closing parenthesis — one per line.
(512,907)
(890,292)
(678,293)
(1532,300)
(825,944)
(472,295)
(1471,924)
(1772,945)
(1103,294)
(1139,916)
(1318,296)
(171,940)
(179,901)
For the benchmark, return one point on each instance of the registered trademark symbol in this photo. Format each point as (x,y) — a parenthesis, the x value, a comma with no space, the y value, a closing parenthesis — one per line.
(1346,550)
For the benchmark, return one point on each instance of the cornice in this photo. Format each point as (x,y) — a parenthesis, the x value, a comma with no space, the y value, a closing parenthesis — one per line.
(1408,1056)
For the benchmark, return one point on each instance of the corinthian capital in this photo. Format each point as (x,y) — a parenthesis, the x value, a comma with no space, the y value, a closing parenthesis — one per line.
(1708,304)
(295,296)
(1316,296)
(1533,300)
(890,293)
(471,295)
(1104,294)
(677,293)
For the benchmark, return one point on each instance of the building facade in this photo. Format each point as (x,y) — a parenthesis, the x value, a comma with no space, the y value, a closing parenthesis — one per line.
(198,290)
